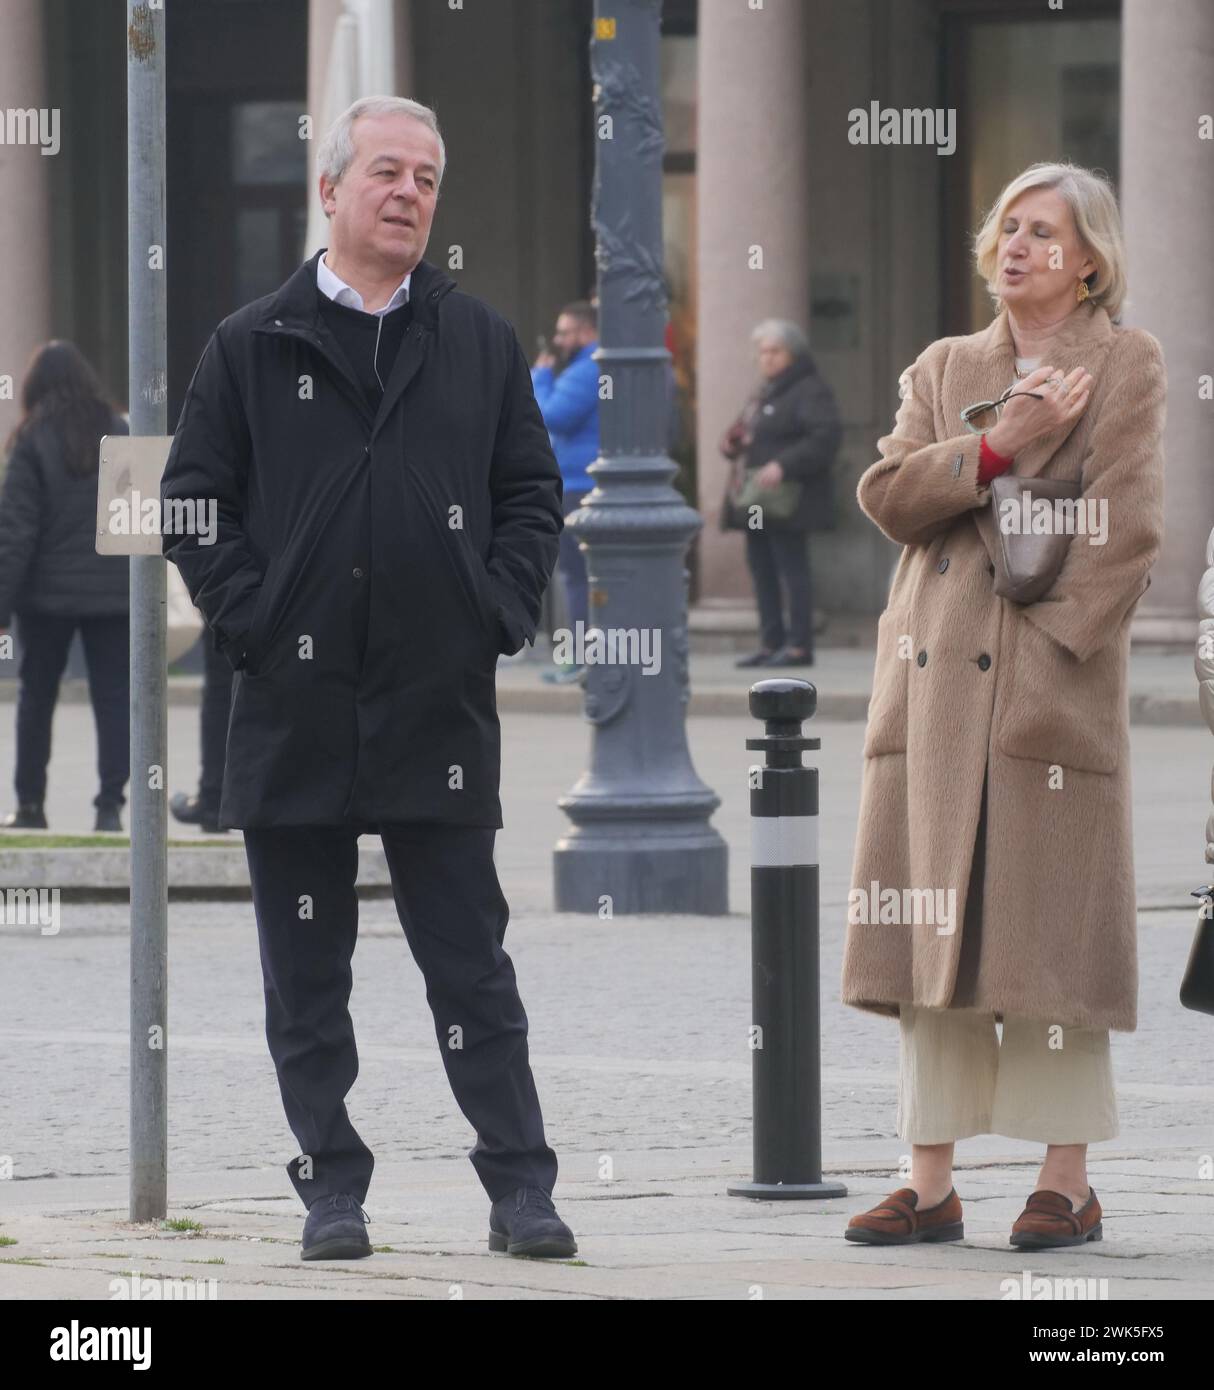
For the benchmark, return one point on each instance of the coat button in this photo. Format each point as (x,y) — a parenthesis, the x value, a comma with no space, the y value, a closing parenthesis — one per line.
(984,662)
(921,659)
(943,565)
(358,574)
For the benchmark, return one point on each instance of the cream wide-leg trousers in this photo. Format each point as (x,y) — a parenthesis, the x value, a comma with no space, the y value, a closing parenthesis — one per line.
(1042,1082)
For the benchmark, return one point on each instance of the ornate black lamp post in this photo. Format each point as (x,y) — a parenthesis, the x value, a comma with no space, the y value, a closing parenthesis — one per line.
(640,840)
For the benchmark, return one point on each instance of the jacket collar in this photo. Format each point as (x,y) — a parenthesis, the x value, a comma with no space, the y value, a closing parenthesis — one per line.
(294,311)
(1086,328)
(798,368)
(296,305)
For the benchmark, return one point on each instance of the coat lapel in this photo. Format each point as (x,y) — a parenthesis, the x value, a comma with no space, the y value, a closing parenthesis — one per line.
(987,366)
(982,367)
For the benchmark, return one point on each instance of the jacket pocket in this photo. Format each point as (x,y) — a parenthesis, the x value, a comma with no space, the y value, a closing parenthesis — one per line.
(887,717)
(1059,709)
(474,580)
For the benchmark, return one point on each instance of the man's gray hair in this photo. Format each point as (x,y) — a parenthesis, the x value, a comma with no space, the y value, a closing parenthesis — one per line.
(784,332)
(337,148)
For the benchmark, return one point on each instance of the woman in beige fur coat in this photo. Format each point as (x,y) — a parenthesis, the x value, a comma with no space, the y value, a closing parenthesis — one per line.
(993,875)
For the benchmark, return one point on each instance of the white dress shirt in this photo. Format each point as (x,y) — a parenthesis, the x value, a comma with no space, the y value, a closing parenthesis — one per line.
(340,293)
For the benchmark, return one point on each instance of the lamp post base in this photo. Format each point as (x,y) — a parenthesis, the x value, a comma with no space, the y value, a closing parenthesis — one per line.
(786,1191)
(642,873)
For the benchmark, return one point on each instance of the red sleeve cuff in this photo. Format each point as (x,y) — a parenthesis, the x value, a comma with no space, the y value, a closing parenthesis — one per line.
(990,464)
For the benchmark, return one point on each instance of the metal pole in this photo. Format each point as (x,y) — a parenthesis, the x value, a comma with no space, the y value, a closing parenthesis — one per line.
(640,841)
(786,1029)
(145,123)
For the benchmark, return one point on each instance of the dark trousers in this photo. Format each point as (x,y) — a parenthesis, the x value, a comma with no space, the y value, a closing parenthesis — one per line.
(572,566)
(45,642)
(454,917)
(214,715)
(779,561)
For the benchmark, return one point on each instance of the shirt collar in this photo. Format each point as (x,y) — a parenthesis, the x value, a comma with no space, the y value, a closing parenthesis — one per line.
(339,292)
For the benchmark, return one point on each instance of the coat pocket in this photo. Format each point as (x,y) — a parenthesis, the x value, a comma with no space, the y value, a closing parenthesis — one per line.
(1062,710)
(887,717)
(474,580)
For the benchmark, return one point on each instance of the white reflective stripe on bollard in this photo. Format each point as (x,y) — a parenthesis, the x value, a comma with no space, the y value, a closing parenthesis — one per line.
(783,841)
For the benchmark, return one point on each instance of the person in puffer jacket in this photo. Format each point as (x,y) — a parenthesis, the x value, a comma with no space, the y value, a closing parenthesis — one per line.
(53,580)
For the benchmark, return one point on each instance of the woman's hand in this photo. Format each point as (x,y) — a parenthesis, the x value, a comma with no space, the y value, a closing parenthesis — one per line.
(1025,419)
(770,475)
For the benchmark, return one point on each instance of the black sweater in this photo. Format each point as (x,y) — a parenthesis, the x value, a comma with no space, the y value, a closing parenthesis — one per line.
(356,333)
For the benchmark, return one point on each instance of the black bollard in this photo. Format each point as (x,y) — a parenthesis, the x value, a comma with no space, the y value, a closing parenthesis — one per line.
(785,1037)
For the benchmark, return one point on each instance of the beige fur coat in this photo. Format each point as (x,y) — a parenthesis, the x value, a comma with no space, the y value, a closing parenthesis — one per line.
(1032,698)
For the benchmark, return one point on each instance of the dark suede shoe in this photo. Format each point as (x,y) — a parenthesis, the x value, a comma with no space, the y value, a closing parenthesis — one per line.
(897,1220)
(335,1229)
(526,1223)
(26,817)
(1050,1219)
(107,819)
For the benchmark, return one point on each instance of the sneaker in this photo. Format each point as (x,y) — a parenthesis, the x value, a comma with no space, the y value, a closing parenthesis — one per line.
(27,816)
(335,1229)
(526,1223)
(108,819)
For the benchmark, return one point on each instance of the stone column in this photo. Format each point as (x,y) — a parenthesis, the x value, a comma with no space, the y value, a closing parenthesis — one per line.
(25,210)
(752,182)
(1167,198)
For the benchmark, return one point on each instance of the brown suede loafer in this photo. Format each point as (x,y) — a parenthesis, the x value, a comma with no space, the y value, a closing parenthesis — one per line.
(895,1220)
(1049,1219)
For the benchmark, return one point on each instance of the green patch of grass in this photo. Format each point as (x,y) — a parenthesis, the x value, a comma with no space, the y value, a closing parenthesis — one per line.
(24,1260)
(581,1264)
(215,1260)
(43,841)
(181,1223)
(385,1249)
(8,1240)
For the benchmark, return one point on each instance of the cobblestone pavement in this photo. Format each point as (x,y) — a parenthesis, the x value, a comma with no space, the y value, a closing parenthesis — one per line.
(638,1038)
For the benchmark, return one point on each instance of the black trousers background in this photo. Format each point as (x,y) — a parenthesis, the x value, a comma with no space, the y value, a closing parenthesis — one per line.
(779,566)
(214,716)
(454,917)
(46,640)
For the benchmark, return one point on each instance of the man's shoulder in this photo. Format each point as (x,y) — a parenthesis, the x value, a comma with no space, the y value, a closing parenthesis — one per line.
(476,315)
(241,322)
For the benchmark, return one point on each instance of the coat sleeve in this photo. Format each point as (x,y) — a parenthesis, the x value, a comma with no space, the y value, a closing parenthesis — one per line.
(20,523)
(209,462)
(814,450)
(921,484)
(567,401)
(526,497)
(1123,464)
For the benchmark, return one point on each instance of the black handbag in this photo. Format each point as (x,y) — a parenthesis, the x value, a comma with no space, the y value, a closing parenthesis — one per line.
(1197,987)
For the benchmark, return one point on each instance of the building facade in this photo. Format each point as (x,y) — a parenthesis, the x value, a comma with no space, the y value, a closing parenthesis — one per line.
(770,208)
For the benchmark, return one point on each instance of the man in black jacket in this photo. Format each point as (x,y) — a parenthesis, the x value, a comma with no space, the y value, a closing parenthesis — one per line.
(389,513)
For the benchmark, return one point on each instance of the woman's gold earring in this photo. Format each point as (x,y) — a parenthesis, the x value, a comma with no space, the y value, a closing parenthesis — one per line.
(1081,291)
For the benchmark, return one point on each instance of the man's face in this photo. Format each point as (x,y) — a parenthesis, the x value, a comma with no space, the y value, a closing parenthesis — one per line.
(570,336)
(381,209)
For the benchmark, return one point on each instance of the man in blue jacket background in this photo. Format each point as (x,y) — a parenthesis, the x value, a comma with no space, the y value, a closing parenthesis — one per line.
(566,384)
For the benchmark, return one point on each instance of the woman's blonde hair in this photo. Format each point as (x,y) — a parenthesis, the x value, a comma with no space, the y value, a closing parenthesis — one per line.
(1094,208)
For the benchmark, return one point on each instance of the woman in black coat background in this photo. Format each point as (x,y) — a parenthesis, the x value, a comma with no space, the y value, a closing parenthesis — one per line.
(52,578)
(788,432)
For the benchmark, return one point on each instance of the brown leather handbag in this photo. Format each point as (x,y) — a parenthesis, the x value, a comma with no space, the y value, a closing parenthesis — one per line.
(1028,562)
